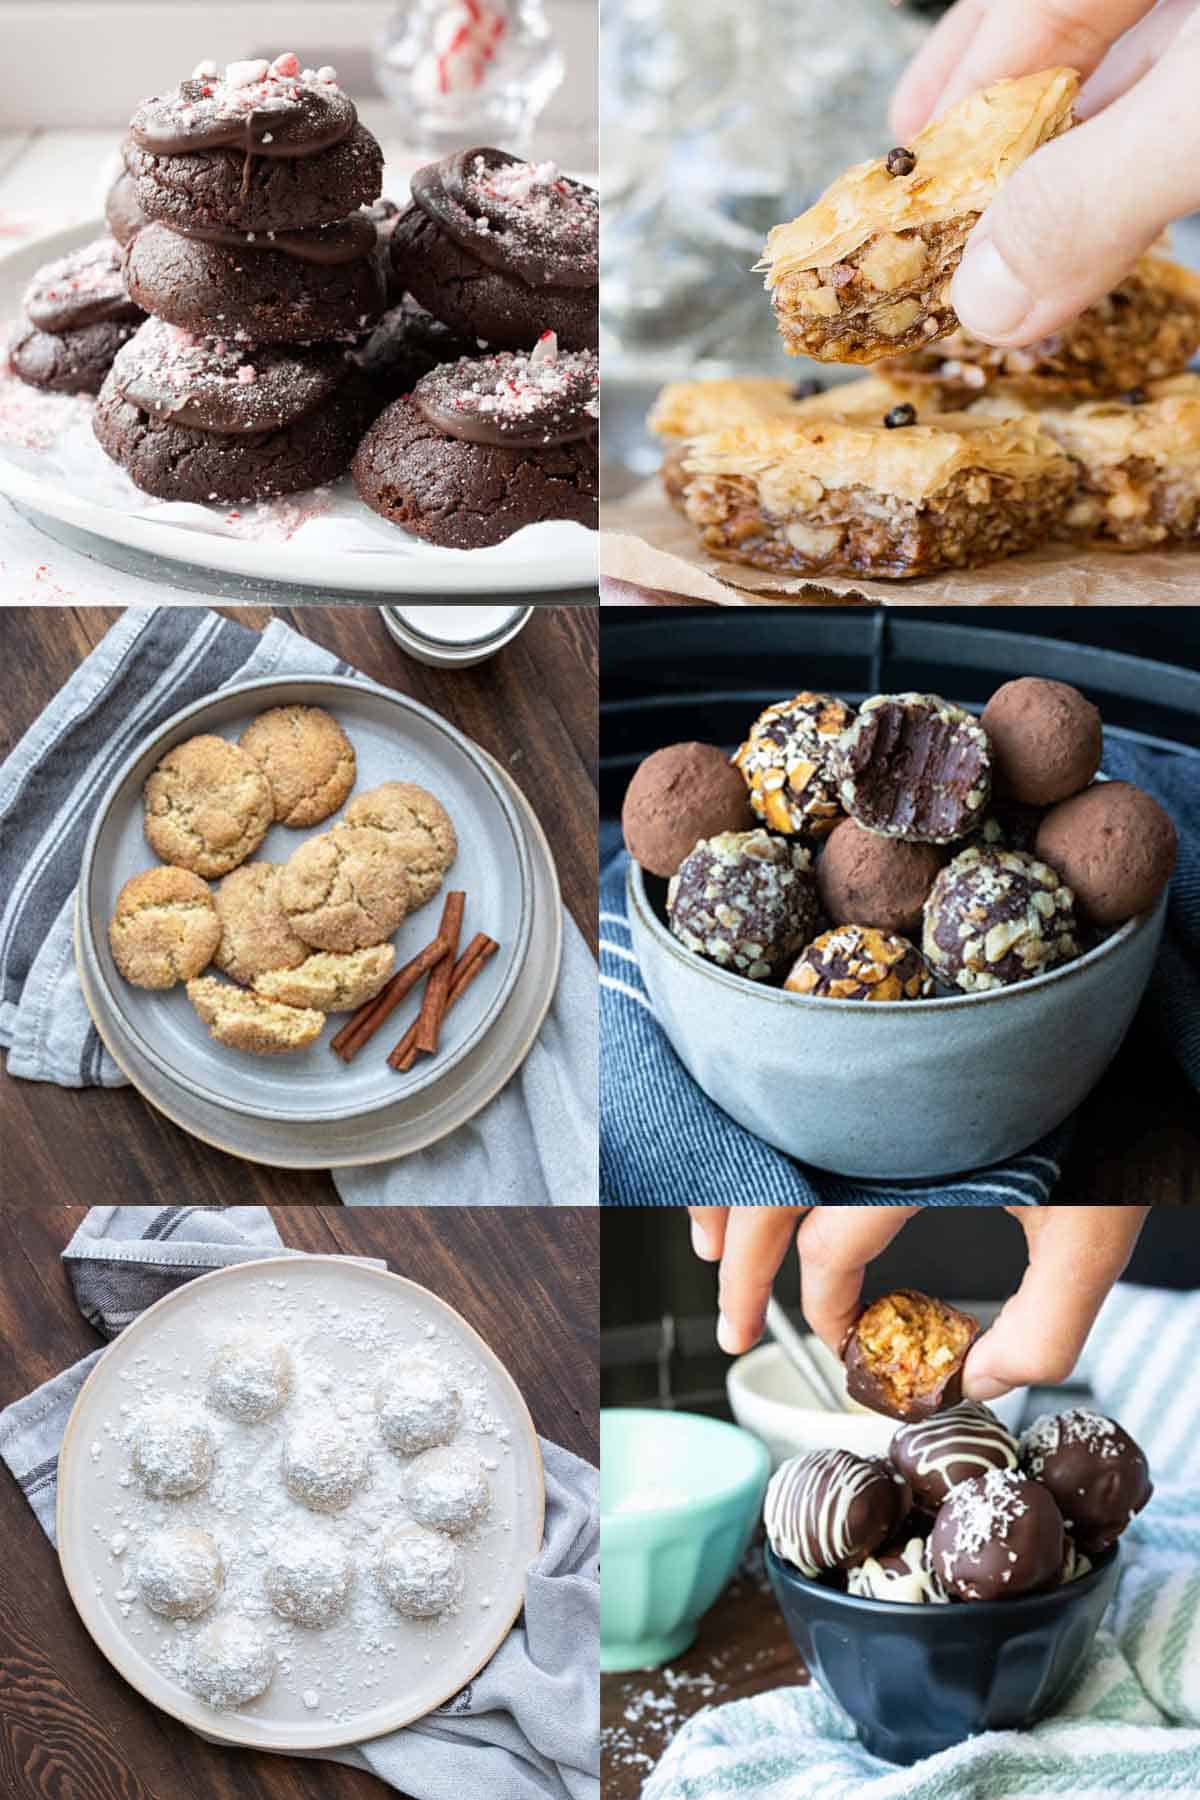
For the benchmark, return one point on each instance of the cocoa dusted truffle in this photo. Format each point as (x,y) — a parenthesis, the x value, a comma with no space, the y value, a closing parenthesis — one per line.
(1094,1471)
(995,917)
(679,795)
(856,962)
(904,1354)
(865,879)
(744,900)
(914,766)
(1114,845)
(1046,740)
(786,760)
(996,1536)
(955,1445)
(831,1509)
(904,1574)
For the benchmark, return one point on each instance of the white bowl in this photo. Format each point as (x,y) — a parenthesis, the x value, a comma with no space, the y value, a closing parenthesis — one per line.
(769,1397)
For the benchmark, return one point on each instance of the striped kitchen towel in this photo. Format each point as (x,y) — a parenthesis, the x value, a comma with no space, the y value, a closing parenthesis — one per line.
(1130,1723)
(526,1726)
(535,1144)
(664,1143)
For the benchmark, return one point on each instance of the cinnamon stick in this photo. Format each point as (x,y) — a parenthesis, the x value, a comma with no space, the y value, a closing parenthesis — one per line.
(363,1024)
(437,988)
(462,975)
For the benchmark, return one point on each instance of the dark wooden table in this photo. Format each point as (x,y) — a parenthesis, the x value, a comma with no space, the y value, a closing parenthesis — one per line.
(527,1279)
(534,707)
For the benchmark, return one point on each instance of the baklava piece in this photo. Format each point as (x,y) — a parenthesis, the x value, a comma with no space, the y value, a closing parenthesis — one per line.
(866,272)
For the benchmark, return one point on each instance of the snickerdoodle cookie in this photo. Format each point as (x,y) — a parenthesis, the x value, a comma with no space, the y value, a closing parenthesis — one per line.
(164,929)
(346,889)
(419,826)
(255,934)
(307,759)
(208,806)
(245,1021)
(329,980)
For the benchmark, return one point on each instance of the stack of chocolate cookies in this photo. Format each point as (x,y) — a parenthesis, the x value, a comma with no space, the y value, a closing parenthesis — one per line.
(498,261)
(245,240)
(78,314)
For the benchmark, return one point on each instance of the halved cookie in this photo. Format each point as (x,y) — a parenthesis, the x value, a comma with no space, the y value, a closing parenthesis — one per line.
(331,981)
(243,1020)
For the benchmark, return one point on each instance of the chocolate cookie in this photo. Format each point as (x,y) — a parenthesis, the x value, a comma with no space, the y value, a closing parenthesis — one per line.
(84,288)
(279,195)
(122,213)
(407,343)
(73,362)
(384,214)
(502,250)
(482,448)
(287,287)
(213,384)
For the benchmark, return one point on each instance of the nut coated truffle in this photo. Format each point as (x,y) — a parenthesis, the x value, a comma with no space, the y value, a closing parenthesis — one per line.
(744,900)
(995,917)
(1094,1471)
(1114,845)
(996,1536)
(914,766)
(831,1509)
(904,1354)
(856,962)
(679,795)
(787,761)
(955,1445)
(1046,740)
(865,879)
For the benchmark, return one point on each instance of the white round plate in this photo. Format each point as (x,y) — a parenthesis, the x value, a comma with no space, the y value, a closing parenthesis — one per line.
(406,1125)
(373,1670)
(568,560)
(394,738)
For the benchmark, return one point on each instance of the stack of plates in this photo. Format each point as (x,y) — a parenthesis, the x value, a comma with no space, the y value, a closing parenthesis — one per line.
(309,1110)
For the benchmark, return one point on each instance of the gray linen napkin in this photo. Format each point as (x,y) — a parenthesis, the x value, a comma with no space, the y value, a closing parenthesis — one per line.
(527,1726)
(534,1145)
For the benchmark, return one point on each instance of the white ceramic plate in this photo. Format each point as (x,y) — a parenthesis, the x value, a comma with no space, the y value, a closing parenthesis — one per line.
(567,557)
(394,738)
(405,1125)
(374,1670)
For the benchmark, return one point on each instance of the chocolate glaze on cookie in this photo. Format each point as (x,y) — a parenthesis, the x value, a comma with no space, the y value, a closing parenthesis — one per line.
(525,219)
(210,384)
(80,289)
(514,399)
(268,109)
(122,213)
(231,190)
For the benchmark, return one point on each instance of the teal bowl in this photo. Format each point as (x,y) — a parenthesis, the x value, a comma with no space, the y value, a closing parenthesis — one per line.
(680,1496)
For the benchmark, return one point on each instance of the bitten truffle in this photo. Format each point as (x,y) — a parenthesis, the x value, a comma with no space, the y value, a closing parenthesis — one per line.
(1114,845)
(679,795)
(865,879)
(997,1536)
(744,900)
(904,1354)
(831,1509)
(787,762)
(1046,740)
(913,766)
(856,962)
(995,917)
(1093,1469)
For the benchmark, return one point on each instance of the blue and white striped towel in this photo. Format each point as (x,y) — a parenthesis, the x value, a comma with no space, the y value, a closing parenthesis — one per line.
(1130,1723)
(664,1143)
(535,1144)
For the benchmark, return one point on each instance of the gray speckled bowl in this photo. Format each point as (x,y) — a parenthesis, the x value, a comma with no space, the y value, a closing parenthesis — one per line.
(896,1089)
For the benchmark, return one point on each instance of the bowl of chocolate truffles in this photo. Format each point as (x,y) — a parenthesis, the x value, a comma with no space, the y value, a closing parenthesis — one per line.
(955,1585)
(896,940)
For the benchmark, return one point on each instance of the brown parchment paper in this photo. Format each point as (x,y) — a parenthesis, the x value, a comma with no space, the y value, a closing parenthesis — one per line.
(644,541)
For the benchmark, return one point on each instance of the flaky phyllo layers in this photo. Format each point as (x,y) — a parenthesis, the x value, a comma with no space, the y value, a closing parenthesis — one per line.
(866,272)
(837,495)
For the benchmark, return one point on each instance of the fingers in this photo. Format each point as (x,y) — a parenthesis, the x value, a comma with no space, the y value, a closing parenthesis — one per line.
(1134,56)
(708,1231)
(931,68)
(836,1243)
(1067,226)
(1017,37)
(756,1242)
(1075,1255)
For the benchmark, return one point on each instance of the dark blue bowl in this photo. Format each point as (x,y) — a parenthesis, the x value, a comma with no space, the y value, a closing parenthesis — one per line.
(916,1679)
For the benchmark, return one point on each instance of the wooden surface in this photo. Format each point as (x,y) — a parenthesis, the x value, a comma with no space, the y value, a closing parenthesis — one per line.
(69,1727)
(534,707)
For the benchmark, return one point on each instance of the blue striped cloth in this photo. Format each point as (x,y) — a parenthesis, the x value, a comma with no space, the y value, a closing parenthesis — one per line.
(1130,1724)
(664,1143)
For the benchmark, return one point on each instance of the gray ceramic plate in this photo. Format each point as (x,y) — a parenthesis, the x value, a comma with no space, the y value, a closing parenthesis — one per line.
(407,1124)
(394,738)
